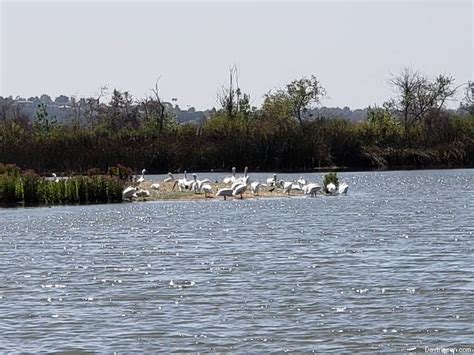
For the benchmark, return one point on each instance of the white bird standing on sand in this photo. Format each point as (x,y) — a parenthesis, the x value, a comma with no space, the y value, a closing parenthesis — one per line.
(230,179)
(287,187)
(331,188)
(197,185)
(272,181)
(235,184)
(142,193)
(128,192)
(239,190)
(255,187)
(302,181)
(243,179)
(246,178)
(207,188)
(225,192)
(297,185)
(142,178)
(311,189)
(183,183)
(170,178)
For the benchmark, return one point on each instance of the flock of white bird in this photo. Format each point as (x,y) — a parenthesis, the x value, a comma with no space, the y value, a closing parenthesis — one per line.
(237,186)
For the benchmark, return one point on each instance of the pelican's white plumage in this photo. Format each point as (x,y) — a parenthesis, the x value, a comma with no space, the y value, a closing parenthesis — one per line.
(302,181)
(142,178)
(128,192)
(230,179)
(142,193)
(243,179)
(225,192)
(343,188)
(183,183)
(272,181)
(239,190)
(55,178)
(169,178)
(207,189)
(255,187)
(287,186)
(155,186)
(331,188)
(311,189)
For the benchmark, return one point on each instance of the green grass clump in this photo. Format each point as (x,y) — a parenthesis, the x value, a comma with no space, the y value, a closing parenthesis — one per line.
(28,188)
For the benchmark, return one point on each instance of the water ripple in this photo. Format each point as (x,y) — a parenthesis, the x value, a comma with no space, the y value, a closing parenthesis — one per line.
(387,268)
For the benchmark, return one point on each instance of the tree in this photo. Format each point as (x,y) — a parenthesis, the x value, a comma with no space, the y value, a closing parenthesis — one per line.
(420,99)
(61,100)
(44,124)
(158,107)
(232,100)
(46,99)
(303,94)
(467,103)
(295,100)
(227,96)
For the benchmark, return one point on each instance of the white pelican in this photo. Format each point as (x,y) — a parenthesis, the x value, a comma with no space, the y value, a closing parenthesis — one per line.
(297,185)
(343,188)
(301,181)
(311,189)
(287,187)
(229,179)
(331,188)
(183,183)
(142,193)
(55,178)
(245,178)
(272,181)
(207,188)
(239,190)
(155,186)
(241,180)
(170,178)
(235,184)
(225,192)
(255,187)
(128,192)
(142,178)
(197,185)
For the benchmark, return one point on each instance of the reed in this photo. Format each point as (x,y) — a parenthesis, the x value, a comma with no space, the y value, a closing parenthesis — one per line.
(28,188)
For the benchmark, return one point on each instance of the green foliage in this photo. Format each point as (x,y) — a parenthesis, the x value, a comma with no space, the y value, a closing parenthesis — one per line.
(30,189)
(278,136)
(330,178)
(44,124)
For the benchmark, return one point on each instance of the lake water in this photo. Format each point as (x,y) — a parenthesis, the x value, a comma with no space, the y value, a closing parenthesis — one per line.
(389,268)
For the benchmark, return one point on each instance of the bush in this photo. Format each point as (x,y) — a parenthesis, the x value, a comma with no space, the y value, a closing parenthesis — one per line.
(330,178)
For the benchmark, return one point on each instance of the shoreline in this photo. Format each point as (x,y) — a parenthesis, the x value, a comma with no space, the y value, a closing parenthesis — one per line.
(165,193)
(317,170)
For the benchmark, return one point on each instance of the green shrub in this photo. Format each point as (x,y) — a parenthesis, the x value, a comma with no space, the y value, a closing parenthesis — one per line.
(330,178)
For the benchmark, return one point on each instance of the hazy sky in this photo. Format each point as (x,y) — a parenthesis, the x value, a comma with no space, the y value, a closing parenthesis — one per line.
(73,47)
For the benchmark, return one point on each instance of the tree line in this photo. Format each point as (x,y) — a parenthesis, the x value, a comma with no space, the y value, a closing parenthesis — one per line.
(413,129)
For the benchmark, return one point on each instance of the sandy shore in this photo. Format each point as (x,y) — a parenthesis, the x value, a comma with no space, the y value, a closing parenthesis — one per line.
(166,193)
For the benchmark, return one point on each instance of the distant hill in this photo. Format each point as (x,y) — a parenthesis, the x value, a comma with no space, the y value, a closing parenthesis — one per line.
(63,108)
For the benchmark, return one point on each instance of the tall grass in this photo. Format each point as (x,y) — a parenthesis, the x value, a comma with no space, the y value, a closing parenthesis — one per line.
(28,188)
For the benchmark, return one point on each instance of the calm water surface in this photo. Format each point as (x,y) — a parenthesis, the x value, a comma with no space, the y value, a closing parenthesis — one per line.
(389,267)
